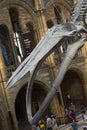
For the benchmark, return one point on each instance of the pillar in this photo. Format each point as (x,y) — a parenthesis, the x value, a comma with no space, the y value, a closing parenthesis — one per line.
(3,79)
(41,18)
(2,65)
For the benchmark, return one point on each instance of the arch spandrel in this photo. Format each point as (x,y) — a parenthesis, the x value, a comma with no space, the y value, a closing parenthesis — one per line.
(64,8)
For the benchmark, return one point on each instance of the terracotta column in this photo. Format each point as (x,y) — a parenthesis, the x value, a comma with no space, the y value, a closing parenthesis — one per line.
(41,18)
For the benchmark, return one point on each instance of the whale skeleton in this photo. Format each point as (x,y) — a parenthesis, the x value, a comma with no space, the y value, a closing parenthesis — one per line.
(43,49)
(79,11)
(71,51)
(49,41)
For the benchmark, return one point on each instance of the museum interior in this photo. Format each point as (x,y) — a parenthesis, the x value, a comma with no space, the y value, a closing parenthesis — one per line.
(22,25)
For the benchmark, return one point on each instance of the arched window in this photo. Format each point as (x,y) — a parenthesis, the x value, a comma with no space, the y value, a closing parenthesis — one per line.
(6,45)
(57,11)
(14,15)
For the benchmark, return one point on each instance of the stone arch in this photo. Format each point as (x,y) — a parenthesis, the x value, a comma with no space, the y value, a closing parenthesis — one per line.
(73,84)
(79,72)
(63,6)
(60,2)
(21,34)
(23,4)
(20,108)
(36,99)
(42,85)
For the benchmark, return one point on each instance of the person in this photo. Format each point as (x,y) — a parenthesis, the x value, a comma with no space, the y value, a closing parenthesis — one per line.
(54,123)
(66,115)
(48,122)
(72,116)
(74,126)
(54,114)
(83,111)
(42,125)
(85,118)
(68,101)
(35,127)
(72,107)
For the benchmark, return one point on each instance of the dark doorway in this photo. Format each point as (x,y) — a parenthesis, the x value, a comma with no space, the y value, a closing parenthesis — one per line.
(20,108)
(72,85)
(38,95)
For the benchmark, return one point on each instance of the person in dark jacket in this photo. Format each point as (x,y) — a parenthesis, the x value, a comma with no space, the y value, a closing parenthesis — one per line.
(72,116)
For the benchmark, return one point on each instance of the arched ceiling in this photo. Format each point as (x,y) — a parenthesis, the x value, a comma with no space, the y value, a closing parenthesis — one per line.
(44,2)
(31,2)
